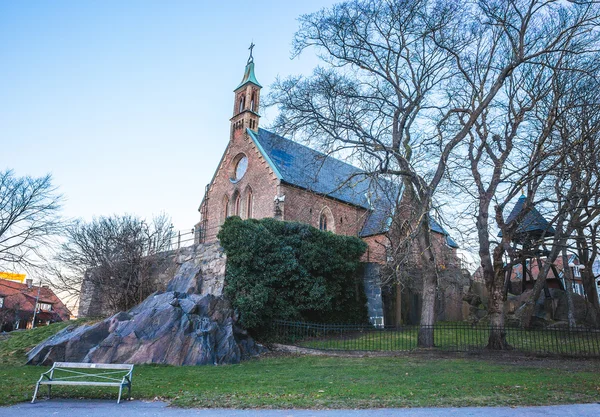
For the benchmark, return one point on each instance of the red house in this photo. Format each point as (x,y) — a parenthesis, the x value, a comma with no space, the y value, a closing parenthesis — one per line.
(20,302)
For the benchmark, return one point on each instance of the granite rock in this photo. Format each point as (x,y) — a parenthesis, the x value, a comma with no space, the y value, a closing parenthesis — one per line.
(189,324)
(199,330)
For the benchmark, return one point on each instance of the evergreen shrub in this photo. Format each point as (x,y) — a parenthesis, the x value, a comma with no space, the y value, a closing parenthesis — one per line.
(291,271)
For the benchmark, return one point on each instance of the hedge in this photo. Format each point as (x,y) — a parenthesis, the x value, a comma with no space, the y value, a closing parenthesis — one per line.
(291,271)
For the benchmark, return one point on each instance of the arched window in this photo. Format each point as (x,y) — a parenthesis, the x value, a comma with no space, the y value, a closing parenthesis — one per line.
(236,205)
(241,104)
(249,203)
(252,101)
(225,208)
(323,222)
(326,222)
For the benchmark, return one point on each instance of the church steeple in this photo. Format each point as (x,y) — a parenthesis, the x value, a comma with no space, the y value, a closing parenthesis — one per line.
(247,99)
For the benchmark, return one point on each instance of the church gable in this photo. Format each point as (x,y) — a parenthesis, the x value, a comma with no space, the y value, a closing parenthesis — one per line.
(244,185)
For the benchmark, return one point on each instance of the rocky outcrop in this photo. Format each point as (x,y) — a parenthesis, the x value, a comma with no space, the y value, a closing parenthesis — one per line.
(549,311)
(189,324)
(201,269)
(477,310)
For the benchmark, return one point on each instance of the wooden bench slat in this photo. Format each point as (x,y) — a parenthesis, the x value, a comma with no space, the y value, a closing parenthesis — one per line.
(78,365)
(106,384)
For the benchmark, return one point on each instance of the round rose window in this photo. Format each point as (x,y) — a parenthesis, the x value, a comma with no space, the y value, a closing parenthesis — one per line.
(240,168)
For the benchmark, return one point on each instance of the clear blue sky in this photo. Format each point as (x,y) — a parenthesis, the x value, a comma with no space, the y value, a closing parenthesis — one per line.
(127,103)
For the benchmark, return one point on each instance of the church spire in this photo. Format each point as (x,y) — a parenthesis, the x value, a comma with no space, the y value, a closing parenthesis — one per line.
(249,76)
(247,98)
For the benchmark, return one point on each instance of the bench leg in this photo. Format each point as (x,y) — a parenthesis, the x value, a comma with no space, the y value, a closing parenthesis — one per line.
(37,386)
(49,391)
(120,390)
(129,391)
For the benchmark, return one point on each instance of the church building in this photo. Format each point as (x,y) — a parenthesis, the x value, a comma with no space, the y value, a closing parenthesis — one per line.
(262,174)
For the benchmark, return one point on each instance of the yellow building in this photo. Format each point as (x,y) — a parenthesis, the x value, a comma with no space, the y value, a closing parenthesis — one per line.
(12,276)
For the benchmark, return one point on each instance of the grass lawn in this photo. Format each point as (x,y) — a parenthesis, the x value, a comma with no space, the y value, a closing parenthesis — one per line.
(333,382)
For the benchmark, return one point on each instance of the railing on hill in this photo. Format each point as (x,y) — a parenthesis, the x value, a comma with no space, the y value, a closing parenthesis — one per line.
(449,337)
(182,239)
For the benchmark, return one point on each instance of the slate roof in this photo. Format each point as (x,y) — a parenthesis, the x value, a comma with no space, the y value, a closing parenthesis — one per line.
(303,167)
(306,168)
(436,227)
(532,224)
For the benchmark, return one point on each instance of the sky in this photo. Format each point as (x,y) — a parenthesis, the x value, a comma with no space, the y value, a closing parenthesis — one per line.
(127,103)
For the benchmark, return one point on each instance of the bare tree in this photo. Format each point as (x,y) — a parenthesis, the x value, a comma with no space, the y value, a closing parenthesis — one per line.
(533,141)
(113,255)
(29,218)
(407,81)
(588,250)
(575,178)
(580,128)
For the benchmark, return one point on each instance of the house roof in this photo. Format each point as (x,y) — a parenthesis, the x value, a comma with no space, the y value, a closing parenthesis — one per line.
(17,295)
(533,223)
(306,168)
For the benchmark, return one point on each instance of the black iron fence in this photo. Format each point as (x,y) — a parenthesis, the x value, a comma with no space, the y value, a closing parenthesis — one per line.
(449,337)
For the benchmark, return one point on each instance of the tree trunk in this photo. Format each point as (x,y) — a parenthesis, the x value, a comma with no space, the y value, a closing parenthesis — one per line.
(497,338)
(568,275)
(540,282)
(591,289)
(570,305)
(398,305)
(426,334)
(587,275)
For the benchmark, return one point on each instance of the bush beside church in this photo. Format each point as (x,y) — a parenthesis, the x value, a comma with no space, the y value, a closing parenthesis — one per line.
(291,271)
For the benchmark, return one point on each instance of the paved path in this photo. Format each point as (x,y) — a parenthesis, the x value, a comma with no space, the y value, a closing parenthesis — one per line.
(85,408)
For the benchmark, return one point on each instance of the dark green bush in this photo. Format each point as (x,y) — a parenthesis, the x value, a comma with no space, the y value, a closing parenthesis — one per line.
(291,271)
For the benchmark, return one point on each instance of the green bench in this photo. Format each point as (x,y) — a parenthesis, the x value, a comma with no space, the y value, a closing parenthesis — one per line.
(82,374)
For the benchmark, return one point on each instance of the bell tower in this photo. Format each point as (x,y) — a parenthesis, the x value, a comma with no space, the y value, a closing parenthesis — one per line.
(247,100)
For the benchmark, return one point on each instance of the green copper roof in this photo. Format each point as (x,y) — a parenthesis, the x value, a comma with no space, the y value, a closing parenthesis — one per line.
(249,76)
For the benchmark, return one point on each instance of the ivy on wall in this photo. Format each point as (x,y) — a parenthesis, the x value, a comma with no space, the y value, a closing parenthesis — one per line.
(291,271)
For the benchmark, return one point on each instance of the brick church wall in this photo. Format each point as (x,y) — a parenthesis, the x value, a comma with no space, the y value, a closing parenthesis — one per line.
(306,207)
(376,249)
(445,256)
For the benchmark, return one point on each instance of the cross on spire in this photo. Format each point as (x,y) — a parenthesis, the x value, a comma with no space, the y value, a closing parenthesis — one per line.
(251,58)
